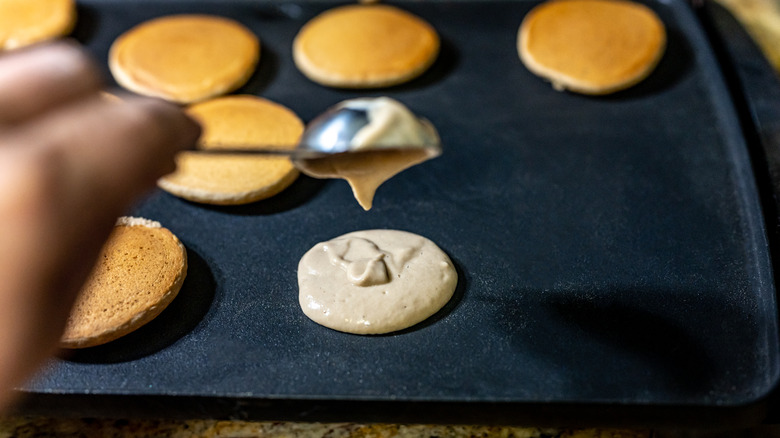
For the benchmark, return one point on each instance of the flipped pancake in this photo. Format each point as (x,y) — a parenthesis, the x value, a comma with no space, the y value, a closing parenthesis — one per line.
(365,46)
(591,46)
(184,58)
(24,22)
(236,121)
(140,270)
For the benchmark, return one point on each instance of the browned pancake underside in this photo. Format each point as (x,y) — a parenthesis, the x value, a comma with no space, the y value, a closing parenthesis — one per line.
(138,273)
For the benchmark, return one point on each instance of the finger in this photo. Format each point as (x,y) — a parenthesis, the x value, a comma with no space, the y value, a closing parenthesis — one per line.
(83,166)
(118,145)
(145,139)
(36,80)
(91,162)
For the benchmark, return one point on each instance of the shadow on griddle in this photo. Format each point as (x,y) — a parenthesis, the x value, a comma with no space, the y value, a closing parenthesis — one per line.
(274,12)
(301,191)
(179,318)
(264,74)
(674,65)
(651,342)
(663,345)
(86,24)
(452,304)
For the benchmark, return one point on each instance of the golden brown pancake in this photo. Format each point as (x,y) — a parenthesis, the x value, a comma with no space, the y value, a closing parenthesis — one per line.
(184,58)
(591,46)
(24,22)
(365,46)
(236,121)
(139,272)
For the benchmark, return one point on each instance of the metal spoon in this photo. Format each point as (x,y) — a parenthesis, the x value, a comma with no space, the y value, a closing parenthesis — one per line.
(331,133)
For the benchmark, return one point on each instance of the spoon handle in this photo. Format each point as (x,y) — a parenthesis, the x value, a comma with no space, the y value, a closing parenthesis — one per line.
(294,154)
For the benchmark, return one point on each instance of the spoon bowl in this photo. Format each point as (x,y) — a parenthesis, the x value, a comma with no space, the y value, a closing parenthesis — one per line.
(350,127)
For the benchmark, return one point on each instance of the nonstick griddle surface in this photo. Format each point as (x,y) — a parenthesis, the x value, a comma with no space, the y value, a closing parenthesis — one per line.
(612,252)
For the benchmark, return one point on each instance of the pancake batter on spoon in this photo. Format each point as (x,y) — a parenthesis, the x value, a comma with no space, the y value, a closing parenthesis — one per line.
(389,140)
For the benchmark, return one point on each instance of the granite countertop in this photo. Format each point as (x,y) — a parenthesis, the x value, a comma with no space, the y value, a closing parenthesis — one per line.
(37,427)
(762,21)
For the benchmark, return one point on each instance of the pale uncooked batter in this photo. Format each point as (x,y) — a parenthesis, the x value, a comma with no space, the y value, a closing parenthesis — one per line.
(374,281)
(392,141)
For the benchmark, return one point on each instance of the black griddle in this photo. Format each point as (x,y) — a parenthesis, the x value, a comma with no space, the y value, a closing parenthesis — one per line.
(613,254)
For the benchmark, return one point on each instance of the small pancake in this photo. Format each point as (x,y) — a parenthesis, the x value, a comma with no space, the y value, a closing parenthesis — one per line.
(24,22)
(184,58)
(591,46)
(365,46)
(236,121)
(139,272)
